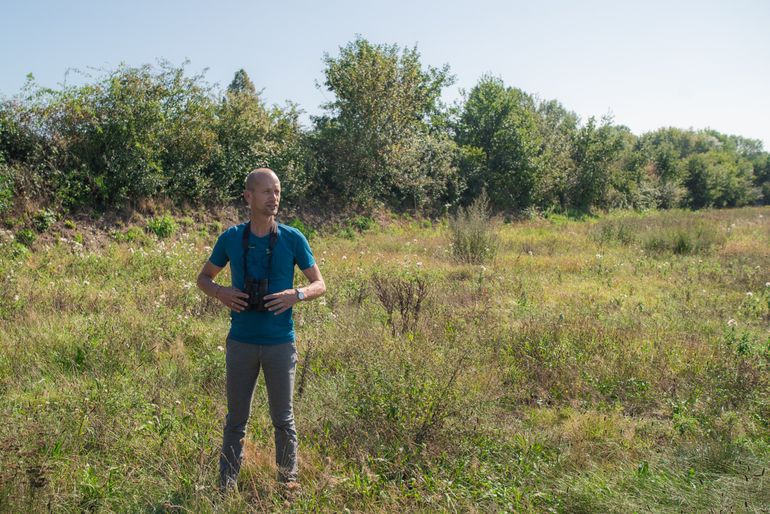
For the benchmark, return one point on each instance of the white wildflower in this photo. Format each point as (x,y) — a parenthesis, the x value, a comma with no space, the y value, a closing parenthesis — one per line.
(749,294)
(344,257)
(732,323)
(419,264)
(220,348)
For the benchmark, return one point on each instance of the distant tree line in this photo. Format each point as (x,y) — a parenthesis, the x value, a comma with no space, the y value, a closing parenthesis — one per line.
(151,132)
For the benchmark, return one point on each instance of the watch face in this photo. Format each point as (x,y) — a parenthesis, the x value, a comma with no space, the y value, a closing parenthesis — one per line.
(300,295)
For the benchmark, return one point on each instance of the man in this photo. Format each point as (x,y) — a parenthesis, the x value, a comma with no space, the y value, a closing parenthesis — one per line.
(258,250)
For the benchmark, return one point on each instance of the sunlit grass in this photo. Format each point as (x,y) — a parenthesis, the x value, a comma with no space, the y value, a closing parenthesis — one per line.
(580,370)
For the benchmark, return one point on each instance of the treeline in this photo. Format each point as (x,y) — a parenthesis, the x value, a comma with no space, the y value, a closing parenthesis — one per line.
(386,138)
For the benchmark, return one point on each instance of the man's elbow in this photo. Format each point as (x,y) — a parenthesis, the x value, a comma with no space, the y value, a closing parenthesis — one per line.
(321,287)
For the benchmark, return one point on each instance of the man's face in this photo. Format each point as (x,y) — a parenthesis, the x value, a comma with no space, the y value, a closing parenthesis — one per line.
(264,196)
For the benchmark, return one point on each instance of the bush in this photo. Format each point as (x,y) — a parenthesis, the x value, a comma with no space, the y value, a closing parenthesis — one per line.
(163,226)
(308,232)
(402,294)
(43,219)
(473,236)
(26,237)
(6,189)
(362,223)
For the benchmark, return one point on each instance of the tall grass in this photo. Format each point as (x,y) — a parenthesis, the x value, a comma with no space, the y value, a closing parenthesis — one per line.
(581,375)
(473,234)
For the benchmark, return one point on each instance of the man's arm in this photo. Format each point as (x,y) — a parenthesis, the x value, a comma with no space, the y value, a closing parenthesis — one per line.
(281,301)
(229,296)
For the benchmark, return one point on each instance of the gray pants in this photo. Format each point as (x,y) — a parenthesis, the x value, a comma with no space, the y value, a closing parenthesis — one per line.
(243,362)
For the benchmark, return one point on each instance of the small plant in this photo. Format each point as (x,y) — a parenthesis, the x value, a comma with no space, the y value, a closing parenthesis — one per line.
(307,231)
(163,226)
(43,219)
(403,294)
(130,235)
(362,223)
(474,238)
(26,237)
(6,191)
(70,224)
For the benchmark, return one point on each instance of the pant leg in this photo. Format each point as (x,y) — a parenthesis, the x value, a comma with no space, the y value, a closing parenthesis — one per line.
(278,363)
(242,363)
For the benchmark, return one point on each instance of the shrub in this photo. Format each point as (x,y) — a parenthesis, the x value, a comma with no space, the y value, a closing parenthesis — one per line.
(43,219)
(473,236)
(6,189)
(163,226)
(362,223)
(307,231)
(26,237)
(404,294)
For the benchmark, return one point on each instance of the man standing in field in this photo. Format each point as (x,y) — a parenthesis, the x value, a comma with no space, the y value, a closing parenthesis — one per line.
(262,255)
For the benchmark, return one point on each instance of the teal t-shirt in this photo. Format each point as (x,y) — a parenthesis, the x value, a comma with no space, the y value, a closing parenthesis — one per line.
(291,247)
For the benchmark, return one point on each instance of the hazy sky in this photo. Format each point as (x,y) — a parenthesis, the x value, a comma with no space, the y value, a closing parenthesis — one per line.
(650,64)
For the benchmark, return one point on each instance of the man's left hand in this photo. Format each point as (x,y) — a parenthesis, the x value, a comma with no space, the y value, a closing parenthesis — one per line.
(281,301)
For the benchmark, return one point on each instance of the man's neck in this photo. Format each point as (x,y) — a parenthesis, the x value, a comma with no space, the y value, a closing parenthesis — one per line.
(260,225)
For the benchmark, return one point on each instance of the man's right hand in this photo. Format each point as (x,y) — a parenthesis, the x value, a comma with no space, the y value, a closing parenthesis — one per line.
(233,298)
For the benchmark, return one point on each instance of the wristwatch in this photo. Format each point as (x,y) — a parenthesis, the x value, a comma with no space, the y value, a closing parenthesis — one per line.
(300,294)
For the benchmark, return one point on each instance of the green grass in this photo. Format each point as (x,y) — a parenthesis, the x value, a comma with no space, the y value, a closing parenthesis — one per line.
(584,369)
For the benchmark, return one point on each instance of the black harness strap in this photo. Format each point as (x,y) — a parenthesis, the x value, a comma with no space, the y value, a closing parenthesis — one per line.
(270,246)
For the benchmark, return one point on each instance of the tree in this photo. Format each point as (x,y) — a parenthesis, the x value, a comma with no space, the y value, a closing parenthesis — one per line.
(241,83)
(498,124)
(594,150)
(719,178)
(378,126)
(556,126)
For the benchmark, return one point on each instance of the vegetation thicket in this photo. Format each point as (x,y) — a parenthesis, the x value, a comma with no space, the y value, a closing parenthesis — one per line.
(137,136)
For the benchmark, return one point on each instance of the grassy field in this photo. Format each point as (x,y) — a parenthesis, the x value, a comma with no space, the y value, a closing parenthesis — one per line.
(613,364)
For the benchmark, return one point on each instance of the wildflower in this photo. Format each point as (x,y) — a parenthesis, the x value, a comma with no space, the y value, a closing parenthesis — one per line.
(15,298)
(749,294)
(767,284)
(220,348)
(598,256)
(732,323)
(419,264)
(344,257)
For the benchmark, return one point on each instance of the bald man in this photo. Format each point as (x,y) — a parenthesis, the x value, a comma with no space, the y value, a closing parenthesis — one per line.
(262,254)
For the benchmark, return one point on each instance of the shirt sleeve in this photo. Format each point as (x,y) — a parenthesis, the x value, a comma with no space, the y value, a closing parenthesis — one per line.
(219,255)
(302,252)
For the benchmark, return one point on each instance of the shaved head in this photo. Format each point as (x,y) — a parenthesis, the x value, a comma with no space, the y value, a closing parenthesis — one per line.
(257,176)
